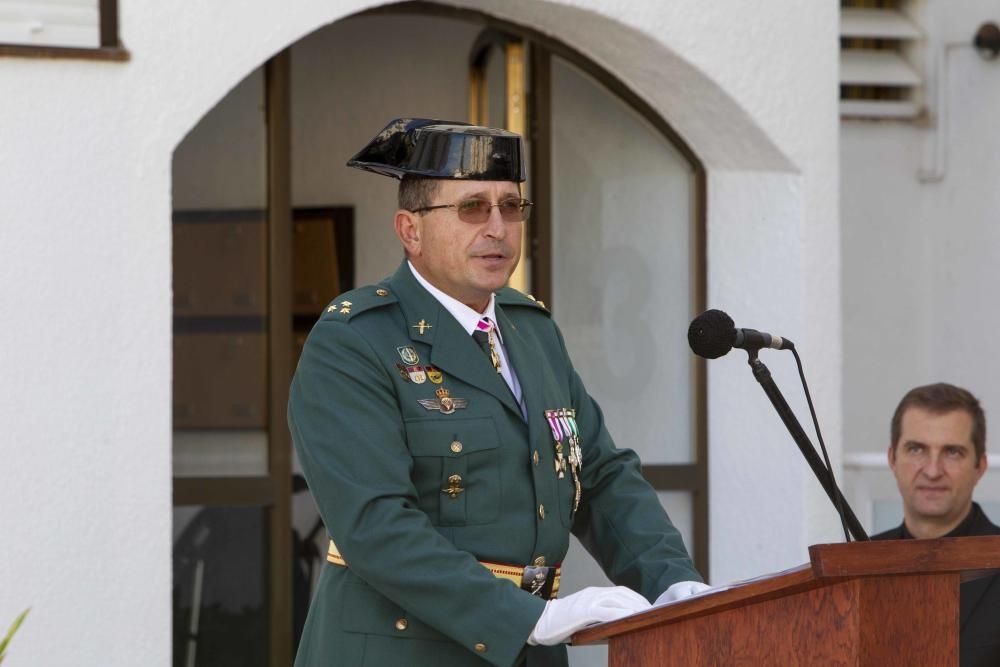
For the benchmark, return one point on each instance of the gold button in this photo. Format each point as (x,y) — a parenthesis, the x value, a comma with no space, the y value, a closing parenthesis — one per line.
(534,457)
(456,446)
(401,624)
(480,648)
(381,292)
(541,511)
(540,561)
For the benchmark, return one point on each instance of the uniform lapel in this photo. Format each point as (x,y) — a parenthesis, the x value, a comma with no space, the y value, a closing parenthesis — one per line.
(527,367)
(452,349)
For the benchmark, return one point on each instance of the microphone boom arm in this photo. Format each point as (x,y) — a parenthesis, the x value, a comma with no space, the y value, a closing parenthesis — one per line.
(763,376)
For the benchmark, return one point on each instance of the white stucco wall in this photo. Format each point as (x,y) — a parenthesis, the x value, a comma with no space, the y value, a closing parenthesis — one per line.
(86,147)
(920,254)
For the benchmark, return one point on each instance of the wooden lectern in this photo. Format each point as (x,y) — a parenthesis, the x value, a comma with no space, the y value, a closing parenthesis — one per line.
(883,603)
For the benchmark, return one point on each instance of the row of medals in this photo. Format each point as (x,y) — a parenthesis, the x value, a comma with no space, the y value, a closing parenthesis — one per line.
(562,421)
(420,374)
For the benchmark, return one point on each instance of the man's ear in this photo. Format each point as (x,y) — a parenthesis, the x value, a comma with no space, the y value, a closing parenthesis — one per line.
(408,230)
(981,467)
(891,454)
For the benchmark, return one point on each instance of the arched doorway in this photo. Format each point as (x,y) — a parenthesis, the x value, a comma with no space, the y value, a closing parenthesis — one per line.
(618,252)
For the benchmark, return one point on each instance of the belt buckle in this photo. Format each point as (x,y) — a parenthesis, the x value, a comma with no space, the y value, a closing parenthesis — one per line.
(538,580)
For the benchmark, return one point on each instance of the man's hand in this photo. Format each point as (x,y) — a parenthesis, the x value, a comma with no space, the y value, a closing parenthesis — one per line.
(680,590)
(563,617)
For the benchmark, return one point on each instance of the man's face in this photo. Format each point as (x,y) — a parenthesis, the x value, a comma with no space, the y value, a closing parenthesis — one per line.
(935,465)
(467,261)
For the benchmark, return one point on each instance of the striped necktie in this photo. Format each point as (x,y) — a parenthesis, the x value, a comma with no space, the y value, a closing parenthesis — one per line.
(485,335)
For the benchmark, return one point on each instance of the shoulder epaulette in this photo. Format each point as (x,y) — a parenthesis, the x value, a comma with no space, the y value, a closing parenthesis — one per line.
(508,296)
(357,301)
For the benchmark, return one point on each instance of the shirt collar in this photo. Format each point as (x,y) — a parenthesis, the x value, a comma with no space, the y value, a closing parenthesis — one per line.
(467,317)
(964,529)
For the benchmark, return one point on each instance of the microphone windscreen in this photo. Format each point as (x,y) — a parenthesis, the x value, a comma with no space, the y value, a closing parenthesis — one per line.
(711,334)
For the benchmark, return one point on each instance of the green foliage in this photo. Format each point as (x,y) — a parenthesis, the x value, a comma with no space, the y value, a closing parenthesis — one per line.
(10,633)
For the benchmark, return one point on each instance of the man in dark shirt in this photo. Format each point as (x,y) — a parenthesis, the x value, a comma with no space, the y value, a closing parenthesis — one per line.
(938,454)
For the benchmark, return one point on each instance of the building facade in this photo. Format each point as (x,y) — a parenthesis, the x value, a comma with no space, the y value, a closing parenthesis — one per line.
(706,135)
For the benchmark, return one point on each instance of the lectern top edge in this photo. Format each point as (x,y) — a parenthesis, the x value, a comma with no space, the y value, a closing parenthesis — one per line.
(828,563)
(885,557)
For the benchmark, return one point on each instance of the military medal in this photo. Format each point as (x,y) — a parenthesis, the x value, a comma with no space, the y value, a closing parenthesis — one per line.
(434,374)
(417,374)
(575,453)
(559,461)
(557,437)
(494,357)
(402,372)
(408,355)
(562,422)
(485,325)
(444,402)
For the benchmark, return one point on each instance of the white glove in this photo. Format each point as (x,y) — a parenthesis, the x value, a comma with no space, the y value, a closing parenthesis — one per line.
(680,590)
(564,616)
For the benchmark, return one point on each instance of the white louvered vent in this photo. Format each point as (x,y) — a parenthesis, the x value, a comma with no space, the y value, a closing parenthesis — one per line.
(66,23)
(877,77)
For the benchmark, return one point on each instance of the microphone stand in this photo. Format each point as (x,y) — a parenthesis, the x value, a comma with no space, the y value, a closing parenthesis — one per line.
(763,377)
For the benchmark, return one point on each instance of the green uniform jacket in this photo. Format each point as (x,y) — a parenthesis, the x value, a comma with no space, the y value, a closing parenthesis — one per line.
(376,460)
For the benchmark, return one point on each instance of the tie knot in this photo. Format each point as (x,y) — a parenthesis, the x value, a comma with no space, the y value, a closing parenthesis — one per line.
(485,325)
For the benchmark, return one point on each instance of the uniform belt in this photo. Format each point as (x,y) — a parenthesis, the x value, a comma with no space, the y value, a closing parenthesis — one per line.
(536,579)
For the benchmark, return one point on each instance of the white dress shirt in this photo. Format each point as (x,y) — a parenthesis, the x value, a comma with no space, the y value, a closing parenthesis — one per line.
(468,319)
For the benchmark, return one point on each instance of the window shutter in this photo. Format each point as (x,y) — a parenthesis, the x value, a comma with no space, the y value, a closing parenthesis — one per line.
(877,76)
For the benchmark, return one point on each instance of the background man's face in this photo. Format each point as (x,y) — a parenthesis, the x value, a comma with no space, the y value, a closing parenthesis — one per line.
(935,464)
(467,261)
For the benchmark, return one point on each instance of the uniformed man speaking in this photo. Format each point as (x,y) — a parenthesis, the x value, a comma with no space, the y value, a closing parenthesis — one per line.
(450,445)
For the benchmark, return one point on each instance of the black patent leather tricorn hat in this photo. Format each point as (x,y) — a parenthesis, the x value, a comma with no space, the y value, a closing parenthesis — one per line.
(443,149)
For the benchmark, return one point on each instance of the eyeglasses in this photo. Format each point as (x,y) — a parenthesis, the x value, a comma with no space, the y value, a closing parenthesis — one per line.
(477,211)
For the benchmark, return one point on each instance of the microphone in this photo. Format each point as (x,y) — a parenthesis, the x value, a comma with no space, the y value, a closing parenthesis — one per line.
(712,334)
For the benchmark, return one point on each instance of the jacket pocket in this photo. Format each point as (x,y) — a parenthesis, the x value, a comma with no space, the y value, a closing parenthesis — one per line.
(456,469)
(365,610)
